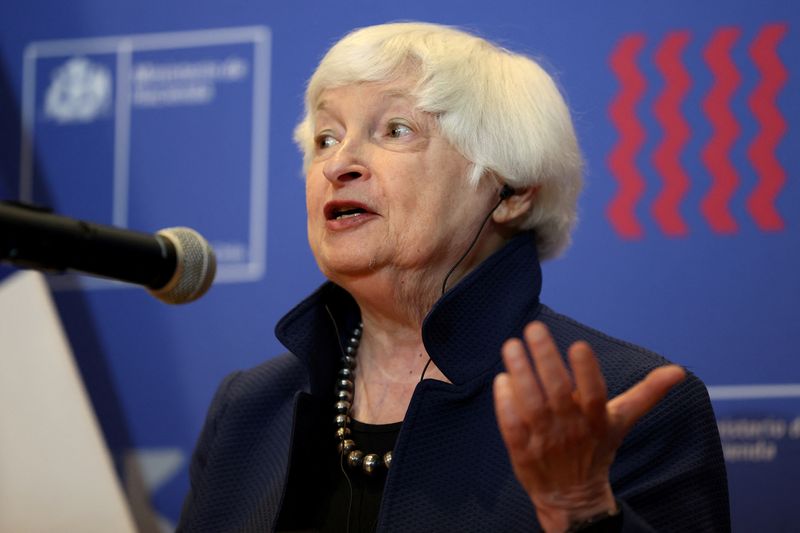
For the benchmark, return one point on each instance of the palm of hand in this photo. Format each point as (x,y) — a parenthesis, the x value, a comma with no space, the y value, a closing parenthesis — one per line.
(561,431)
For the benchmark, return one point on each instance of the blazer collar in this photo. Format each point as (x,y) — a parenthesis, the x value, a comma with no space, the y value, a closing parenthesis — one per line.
(463,332)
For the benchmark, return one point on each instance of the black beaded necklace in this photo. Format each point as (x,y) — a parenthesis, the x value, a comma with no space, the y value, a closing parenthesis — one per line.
(345,390)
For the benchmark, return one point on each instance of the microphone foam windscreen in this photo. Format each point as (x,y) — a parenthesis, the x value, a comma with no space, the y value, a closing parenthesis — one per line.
(195,269)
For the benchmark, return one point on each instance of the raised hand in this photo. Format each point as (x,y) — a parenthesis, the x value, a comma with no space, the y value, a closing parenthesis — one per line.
(561,430)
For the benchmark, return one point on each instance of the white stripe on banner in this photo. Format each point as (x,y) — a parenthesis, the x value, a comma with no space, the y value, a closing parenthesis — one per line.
(754,392)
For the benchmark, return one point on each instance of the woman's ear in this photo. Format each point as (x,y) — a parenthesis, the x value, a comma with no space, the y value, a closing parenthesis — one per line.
(516,204)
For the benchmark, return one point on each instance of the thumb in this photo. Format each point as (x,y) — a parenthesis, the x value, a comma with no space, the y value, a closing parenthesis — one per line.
(630,406)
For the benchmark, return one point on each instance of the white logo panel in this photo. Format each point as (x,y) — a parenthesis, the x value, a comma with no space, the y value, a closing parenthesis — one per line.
(150,131)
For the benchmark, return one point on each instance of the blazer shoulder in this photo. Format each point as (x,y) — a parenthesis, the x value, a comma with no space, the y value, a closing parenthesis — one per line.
(623,363)
(275,377)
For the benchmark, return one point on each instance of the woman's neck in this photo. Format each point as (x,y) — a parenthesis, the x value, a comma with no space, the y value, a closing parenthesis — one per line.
(390,361)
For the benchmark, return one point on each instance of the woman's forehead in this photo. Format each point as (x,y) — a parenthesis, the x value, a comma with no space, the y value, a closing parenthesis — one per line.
(400,90)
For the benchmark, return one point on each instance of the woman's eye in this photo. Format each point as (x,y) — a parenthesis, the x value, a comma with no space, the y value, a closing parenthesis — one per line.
(325,140)
(398,130)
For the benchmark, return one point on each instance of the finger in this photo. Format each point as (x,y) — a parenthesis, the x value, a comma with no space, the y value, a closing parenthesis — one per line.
(631,405)
(592,394)
(511,425)
(525,388)
(555,379)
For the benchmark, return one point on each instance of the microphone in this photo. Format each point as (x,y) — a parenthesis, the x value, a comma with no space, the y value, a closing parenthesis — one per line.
(177,265)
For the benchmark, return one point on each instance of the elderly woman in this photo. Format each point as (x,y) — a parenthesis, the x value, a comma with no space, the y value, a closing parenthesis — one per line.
(440,171)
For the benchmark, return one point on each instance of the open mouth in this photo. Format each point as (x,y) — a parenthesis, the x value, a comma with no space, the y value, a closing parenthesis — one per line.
(347,213)
(341,211)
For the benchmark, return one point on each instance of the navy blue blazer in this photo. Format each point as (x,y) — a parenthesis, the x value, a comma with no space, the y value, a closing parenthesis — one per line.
(259,453)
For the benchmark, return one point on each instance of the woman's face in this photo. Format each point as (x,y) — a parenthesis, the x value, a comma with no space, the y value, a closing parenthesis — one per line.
(385,190)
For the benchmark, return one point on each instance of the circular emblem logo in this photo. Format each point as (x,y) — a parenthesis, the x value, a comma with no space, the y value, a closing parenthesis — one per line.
(80,91)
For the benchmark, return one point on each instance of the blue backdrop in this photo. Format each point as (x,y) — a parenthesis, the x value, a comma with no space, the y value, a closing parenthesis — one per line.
(145,115)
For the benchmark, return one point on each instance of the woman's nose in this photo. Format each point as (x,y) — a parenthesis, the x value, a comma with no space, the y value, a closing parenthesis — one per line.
(346,164)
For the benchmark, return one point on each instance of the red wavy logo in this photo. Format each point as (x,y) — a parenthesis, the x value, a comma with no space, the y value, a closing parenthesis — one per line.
(622,159)
(761,152)
(715,155)
(666,157)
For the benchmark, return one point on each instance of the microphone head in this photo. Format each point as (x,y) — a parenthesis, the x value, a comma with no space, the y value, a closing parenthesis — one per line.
(195,267)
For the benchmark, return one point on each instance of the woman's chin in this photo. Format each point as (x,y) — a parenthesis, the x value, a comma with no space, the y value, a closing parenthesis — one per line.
(343,265)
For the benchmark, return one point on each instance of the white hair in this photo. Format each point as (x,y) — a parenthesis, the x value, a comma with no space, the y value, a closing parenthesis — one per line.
(499,109)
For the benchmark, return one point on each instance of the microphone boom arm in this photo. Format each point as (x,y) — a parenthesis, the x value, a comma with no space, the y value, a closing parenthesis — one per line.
(30,238)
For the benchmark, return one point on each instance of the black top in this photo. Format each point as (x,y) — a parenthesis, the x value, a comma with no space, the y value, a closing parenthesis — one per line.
(355,492)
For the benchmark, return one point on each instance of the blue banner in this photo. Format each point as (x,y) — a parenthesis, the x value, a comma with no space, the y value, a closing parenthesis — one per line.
(147,115)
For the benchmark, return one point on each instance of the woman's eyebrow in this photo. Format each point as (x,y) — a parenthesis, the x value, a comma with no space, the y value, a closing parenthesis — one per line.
(396,94)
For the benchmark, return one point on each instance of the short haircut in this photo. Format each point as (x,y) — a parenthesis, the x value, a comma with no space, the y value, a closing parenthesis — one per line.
(499,109)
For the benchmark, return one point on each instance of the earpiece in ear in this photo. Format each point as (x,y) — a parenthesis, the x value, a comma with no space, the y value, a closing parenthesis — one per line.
(507,191)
